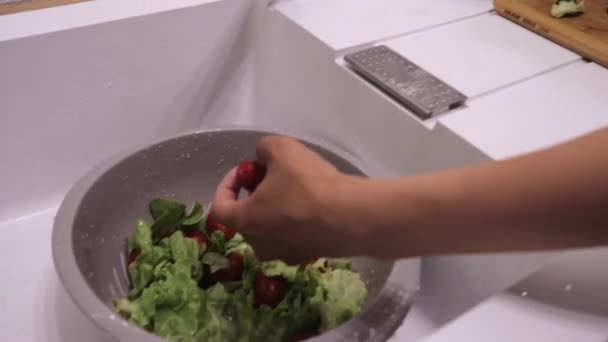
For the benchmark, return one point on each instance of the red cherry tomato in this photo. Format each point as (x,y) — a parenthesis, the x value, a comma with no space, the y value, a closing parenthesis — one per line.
(199,237)
(249,174)
(233,273)
(210,221)
(214,227)
(269,290)
(133,255)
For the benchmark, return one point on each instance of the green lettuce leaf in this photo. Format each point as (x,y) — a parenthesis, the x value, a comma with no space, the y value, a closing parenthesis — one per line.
(185,253)
(215,261)
(218,244)
(160,207)
(279,268)
(218,326)
(171,305)
(154,262)
(236,240)
(177,299)
(344,264)
(238,245)
(243,249)
(142,270)
(167,215)
(142,238)
(339,296)
(241,312)
(195,217)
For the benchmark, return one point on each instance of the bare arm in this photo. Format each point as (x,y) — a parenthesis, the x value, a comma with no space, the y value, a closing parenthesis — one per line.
(555,198)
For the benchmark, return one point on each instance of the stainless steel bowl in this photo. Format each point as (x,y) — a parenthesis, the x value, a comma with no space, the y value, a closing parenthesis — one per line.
(100,212)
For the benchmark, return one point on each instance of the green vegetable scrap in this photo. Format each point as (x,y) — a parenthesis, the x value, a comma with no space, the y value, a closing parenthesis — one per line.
(563,8)
(184,289)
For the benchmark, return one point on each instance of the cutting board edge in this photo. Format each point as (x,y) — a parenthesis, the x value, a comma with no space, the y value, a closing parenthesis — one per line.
(17,7)
(586,46)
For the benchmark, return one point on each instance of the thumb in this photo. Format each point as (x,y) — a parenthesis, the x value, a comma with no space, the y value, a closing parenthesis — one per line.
(225,203)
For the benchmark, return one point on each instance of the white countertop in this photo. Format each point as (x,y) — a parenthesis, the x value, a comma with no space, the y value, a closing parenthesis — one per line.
(346,23)
(543,111)
(482,55)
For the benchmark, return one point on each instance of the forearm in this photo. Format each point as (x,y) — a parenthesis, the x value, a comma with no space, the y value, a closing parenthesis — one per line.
(555,198)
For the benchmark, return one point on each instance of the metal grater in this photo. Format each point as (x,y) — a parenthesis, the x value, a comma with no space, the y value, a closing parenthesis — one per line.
(409,84)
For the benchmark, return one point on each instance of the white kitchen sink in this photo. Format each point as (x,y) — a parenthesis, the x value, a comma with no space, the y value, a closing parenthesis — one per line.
(72,95)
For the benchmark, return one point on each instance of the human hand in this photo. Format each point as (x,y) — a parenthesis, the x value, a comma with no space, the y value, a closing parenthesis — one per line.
(294,213)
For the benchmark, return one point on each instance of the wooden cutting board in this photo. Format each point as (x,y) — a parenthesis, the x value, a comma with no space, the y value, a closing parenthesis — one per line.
(15,6)
(586,34)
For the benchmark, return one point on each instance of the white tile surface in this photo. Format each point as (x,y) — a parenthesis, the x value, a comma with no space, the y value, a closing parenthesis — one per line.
(346,23)
(547,110)
(482,53)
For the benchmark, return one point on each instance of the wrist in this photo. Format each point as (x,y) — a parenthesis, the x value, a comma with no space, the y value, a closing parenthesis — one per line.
(342,204)
(387,219)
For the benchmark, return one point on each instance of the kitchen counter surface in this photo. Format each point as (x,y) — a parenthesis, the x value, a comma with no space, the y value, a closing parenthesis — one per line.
(342,24)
